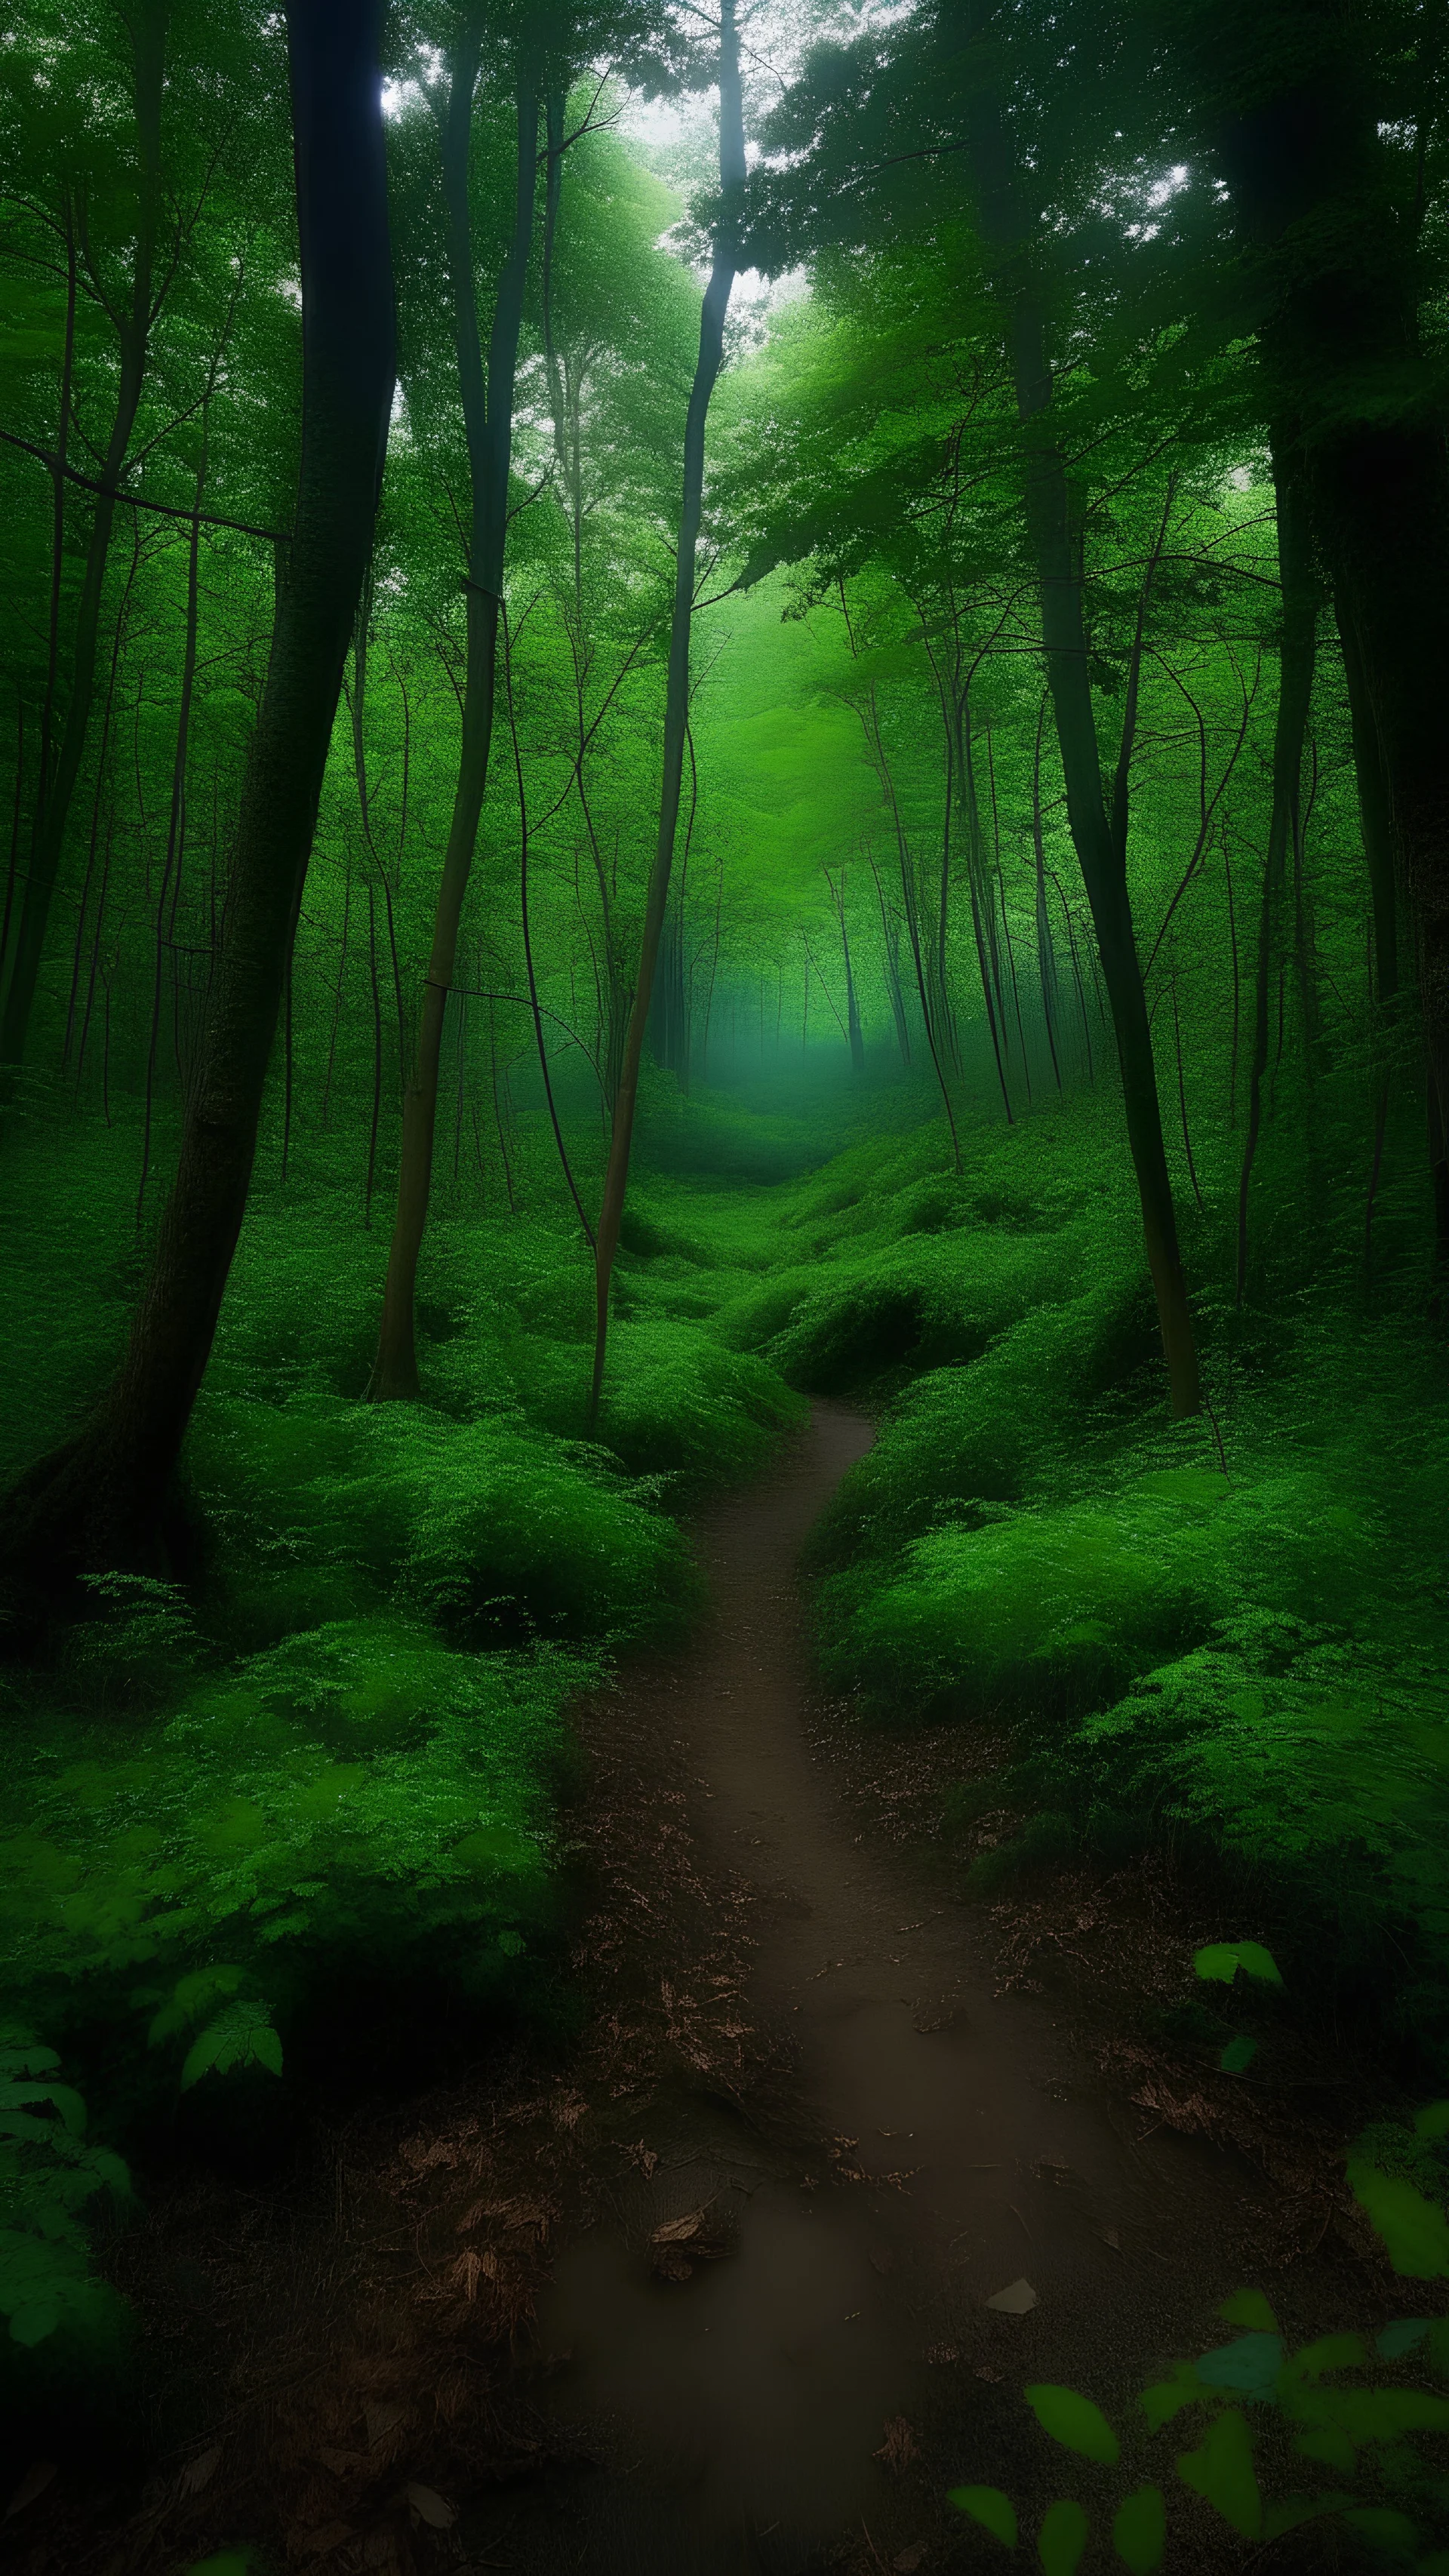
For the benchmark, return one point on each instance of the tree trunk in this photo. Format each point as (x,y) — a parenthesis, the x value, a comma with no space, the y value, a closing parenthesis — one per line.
(147,25)
(101,1502)
(1101,849)
(1295,689)
(487,404)
(676,709)
(1374,813)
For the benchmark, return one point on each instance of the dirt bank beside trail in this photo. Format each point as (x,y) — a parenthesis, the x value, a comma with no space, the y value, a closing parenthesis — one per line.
(706,2292)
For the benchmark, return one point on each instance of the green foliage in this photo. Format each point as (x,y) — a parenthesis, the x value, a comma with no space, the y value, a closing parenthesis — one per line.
(994,2511)
(1139,2530)
(50,2174)
(1220,1961)
(1074,2422)
(1062,2539)
(360,1794)
(1365,2433)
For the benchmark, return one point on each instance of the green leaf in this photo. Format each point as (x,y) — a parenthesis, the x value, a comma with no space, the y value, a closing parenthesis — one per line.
(1220,1961)
(1401,2337)
(1250,2366)
(1249,2308)
(1382,2528)
(1257,1962)
(1221,2471)
(1383,2414)
(1238,2055)
(1325,2443)
(1139,2531)
(1413,2230)
(1062,2539)
(1074,2422)
(1433,2120)
(987,2505)
(1330,2352)
(241,2036)
(32,2323)
(1169,2396)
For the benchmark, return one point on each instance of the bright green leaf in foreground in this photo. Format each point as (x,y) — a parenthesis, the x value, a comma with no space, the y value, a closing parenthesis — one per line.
(1139,2532)
(1249,2308)
(1221,2471)
(987,2505)
(1414,2232)
(1074,2422)
(1220,1961)
(1062,2539)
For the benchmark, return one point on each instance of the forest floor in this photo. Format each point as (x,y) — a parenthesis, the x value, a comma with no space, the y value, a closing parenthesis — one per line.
(707,2288)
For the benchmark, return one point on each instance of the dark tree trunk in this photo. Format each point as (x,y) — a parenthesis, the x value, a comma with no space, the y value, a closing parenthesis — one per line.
(1101,846)
(487,402)
(1295,690)
(101,1502)
(676,711)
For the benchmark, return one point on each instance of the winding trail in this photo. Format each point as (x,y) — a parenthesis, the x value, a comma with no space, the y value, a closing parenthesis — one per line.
(736,2416)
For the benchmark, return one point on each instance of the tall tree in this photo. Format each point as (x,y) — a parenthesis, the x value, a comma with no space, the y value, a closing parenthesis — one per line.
(723,270)
(101,1501)
(486,395)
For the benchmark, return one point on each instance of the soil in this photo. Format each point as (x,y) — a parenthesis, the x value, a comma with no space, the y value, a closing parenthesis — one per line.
(709,2290)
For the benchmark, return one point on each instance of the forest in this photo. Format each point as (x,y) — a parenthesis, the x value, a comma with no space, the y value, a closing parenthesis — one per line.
(724,1148)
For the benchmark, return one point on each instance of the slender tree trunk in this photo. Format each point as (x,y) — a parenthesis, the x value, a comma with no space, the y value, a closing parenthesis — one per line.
(1375,812)
(1046,959)
(676,712)
(1101,849)
(101,1501)
(176,822)
(1295,691)
(147,25)
(1100,838)
(487,403)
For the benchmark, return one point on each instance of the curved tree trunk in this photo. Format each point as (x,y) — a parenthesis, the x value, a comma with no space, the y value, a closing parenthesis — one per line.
(100,1503)
(676,709)
(487,402)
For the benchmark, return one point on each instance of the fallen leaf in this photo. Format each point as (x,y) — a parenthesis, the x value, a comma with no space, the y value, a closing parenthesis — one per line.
(382,2417)
(33,2484)
(679,2231)
(432,2508)
(1014,2300)
(900,2447)
(345,2464)
(910,2559)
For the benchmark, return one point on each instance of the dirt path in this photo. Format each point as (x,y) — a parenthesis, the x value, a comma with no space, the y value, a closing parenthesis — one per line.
(930,2146)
